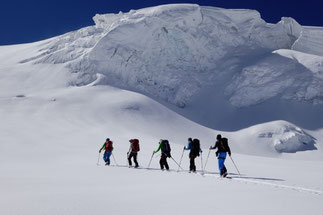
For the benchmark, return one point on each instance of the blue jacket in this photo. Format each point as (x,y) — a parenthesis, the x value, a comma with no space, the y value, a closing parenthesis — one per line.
(189,146)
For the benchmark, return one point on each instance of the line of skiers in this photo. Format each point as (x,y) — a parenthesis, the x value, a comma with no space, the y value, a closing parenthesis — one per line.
(193,145)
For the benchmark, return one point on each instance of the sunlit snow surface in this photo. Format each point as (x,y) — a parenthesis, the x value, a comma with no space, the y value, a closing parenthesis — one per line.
(164,72)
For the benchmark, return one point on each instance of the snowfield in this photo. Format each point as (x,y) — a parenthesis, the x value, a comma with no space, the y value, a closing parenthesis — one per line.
(168,72)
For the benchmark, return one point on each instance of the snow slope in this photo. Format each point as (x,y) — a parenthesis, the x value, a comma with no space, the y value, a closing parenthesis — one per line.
(60,98)
(49,149)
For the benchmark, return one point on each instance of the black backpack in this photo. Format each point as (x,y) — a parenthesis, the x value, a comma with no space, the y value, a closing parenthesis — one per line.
(166,148)
(224,144)
(196,147)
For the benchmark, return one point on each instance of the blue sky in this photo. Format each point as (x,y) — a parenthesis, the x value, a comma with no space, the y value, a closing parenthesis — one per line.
(25,21)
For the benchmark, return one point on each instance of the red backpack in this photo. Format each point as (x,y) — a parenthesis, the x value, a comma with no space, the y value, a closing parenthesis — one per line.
(108,146)
(135,145)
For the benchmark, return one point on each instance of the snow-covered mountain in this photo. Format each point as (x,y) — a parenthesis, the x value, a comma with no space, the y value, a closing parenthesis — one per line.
(172,71)
(176,53)
(226,69)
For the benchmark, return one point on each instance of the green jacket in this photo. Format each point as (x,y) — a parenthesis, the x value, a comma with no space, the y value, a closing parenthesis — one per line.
(159,147)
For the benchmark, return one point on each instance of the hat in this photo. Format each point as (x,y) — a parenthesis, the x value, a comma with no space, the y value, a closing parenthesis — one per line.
(218,137)
(107,139)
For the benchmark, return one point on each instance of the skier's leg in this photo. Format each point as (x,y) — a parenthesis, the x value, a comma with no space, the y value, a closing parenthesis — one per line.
(161,163)
(105,156)
(129,159)
(224,169)
(135,158)
(191,163)
(221,164)
(166,164)
(108,157)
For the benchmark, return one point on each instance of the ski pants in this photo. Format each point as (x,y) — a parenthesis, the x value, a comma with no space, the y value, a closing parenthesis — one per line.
(221,158)
(106,156)
(192,162)
(134,155)
(163,161)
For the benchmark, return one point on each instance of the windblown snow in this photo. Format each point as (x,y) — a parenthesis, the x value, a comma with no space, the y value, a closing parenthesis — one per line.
(172,72)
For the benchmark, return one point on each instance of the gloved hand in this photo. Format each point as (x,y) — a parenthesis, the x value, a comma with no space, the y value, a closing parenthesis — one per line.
(230,154)
(184,147)
(100,151)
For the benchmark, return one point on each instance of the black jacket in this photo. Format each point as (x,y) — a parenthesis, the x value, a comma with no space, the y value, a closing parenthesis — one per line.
(222,146)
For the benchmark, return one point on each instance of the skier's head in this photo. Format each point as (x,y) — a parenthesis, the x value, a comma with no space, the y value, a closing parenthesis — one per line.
(131,140)
(189,139)
(218,137)
(108,139)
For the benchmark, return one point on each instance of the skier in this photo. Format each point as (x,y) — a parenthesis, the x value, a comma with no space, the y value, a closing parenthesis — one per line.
(223,148)
(107,146)
(194,147)
(165,153)
(133,152)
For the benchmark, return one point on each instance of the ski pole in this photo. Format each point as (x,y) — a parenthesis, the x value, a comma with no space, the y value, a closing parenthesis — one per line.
(150,160)
(98,163)
(114,159)
(235,166)
(181,159)
(207,158)
(176,163)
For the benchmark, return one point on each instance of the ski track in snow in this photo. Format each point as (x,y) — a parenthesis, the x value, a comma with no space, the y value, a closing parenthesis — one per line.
(233,177)
(295,188)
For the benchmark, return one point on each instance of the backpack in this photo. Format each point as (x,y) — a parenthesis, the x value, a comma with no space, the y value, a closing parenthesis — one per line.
(196,147)
(108,146)
(135,145)
(224,144)
(166,148)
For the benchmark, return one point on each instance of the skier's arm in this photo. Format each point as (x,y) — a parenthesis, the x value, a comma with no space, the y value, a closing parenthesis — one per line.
(157,150)
(229,151)
(102,147)
(189,146)
(214,147)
